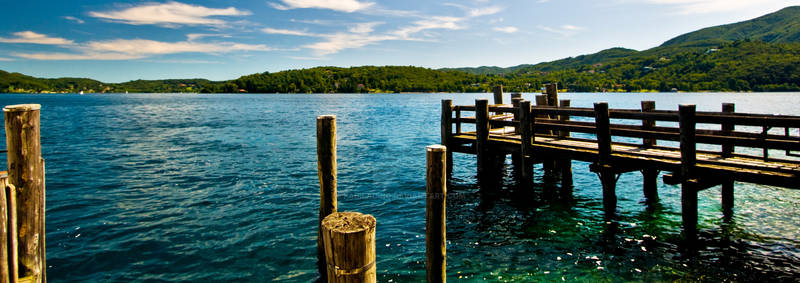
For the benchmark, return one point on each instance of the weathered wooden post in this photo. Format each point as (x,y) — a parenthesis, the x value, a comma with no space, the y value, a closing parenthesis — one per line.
(607,176)
(649,175)
(516,95)
(498,94)
(11,224)
(526,136)
(686,120)
(541,100)
(349,241)
(5,274)
(552,94)
(727,151)
(515,157)
(326,170)
(482,138)
(565,165)
(435,219)
(26,172)
(447,132)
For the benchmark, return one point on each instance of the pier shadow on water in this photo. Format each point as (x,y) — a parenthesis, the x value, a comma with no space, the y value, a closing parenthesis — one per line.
(505,230)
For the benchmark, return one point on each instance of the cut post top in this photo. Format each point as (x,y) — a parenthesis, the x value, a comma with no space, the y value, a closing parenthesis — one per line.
(436,148)
(349,222)
(326,117)
(22,107)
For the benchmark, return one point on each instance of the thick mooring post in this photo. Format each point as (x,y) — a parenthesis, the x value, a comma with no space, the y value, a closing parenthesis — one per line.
(688,146)
(650,176)
(727,151)
(349,240)
(498,94)
(447,131)
(26,172)
(607,175)
(565,165)
(482,139)
(326,170)
(526,136)
(435,228)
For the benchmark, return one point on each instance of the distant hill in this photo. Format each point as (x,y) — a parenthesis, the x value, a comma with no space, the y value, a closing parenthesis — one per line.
(780,27)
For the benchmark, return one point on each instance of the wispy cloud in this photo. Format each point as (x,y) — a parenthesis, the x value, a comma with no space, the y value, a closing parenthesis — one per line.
(564,30)
(170,14)
(508,29)
(287,32)
(35,38)
(713,6)
(340,41)
(74,19)
(128,49)
(348,6)
(364,27)
(6,59)
(485,11)
(439,22)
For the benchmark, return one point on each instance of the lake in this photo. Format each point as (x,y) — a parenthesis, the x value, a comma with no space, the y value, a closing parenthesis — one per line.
(223,187)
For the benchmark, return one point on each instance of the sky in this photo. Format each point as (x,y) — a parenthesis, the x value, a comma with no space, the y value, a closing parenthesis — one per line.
(123,40)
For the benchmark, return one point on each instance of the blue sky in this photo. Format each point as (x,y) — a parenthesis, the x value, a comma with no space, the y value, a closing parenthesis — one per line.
(115,41)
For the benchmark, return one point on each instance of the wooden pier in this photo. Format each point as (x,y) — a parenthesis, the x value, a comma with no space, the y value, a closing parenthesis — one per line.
(735,146)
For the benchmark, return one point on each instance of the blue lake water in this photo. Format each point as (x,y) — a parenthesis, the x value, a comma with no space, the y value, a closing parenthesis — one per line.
(186,187)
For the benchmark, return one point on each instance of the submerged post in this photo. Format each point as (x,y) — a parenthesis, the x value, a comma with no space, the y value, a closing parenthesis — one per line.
(686,120)
(482,138)
(26,172)
(447,131)
(564,164)
(349,240)
(498,94)
(326,170)
(607,176)
(435,217)
(649,175)
(526,137)
(727,151)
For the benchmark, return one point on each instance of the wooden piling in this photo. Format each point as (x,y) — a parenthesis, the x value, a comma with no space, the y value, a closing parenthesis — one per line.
(552,94)
(688,146)
(498,94)
(516,156)
(607,175)
(516,95)
(526,136)
(11,224)
(649,175)
(349,244)
(727,151)
(435,217)
(564,165)
(447,131)
(541,100)
(25,171)
(482,138)
(326,170)
(5,273)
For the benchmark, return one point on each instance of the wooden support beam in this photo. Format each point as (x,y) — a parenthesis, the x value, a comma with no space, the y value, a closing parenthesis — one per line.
(649,175)
(564,165)
(349,239)
(498,94)
(727,151)
(689,184)
(607,175)
(326,171)
(447,132)
(25,171)
(517,156)
(526,136)
(482,138)
(435,217)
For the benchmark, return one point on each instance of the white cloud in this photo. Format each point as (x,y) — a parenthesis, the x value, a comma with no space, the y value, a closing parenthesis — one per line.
(128,49)
(74,19)
(364,27)
(169,14)
(485,11)
(713,6)
(508,29)
(3,59)
(564,30)
(35,38)
(340,41)
(286,32)
(348,6)
(451,23)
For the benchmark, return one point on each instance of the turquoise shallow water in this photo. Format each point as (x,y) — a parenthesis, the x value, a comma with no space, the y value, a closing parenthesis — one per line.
(179,187)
